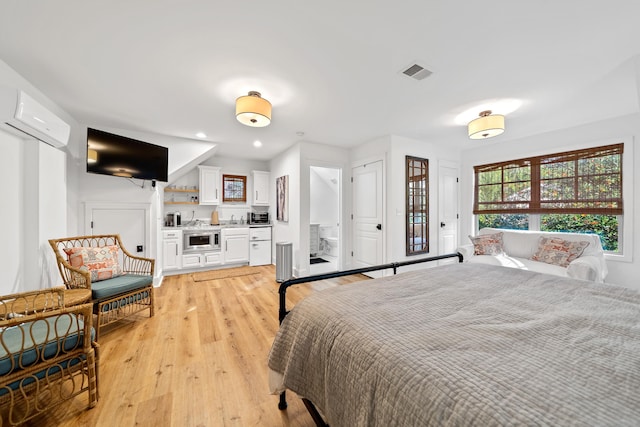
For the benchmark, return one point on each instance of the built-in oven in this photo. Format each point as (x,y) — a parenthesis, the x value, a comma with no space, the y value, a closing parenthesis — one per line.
(201,240)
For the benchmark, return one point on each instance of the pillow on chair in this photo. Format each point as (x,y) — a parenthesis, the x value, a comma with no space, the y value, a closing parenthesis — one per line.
(487,244)
(101,262)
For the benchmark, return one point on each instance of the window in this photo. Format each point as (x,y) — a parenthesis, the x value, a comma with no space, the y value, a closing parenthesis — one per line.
(577,191)
(234,188)
(417,201)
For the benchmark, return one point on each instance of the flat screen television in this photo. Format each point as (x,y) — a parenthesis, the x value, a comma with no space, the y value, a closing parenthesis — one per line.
(110,154)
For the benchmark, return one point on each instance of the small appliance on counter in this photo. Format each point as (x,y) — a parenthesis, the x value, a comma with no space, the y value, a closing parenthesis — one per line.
(173,220)
(259,218)
(214,218)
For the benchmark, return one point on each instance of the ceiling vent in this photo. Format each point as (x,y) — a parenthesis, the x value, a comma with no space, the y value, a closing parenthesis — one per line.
(417,72)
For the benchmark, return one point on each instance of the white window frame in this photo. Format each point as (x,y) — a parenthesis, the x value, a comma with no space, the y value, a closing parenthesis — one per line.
(625,235)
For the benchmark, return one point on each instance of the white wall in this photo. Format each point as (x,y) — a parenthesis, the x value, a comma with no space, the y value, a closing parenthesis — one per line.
(287,163)
(35,202)
(11,167)
(599,133)
(324,196)
(396,199)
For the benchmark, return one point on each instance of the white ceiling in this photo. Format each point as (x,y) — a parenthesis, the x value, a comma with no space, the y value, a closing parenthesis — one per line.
(331,69)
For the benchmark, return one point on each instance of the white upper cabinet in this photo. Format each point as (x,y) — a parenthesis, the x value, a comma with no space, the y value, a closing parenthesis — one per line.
(260,188)
(210,185)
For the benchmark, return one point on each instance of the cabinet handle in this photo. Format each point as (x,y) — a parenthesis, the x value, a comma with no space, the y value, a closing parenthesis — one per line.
(256,195)
(226,246)
(176,250)
(216,193)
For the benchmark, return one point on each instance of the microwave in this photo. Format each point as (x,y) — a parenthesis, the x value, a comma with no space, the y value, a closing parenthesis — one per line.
(259,218)
(201,240)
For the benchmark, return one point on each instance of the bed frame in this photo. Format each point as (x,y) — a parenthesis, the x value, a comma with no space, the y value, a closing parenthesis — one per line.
(282,312)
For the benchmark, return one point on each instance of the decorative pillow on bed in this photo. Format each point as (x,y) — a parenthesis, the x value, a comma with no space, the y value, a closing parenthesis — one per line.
(487,244)
(101,262)
(557,251)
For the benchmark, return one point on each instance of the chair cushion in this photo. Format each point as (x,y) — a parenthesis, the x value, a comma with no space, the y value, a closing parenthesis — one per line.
(43,339)
(119,285)
(102,262)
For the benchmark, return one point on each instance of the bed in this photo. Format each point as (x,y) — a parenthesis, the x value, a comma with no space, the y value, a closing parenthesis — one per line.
(463,344)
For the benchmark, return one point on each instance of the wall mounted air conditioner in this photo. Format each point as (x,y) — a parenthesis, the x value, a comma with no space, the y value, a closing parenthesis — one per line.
(22,112)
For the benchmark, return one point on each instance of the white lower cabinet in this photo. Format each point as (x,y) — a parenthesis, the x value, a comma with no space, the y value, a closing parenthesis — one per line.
(235,245)
(191,260)
(211,258)
(171,250)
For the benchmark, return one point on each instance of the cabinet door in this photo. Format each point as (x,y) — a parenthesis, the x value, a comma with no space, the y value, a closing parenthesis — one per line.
(212,258)
(209,185)
(260,188)
(171,254)
(191,260)
(260,253)
(236,249)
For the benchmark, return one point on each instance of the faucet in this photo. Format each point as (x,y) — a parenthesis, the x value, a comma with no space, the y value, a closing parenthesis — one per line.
(232,222)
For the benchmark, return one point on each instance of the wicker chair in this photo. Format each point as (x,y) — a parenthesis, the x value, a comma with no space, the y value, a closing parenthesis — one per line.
(117,297)
(47,354)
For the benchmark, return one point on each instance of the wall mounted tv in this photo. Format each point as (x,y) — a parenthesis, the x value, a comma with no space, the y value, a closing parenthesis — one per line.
(117,155)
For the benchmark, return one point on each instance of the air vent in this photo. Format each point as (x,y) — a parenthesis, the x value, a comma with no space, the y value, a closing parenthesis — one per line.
(417,72)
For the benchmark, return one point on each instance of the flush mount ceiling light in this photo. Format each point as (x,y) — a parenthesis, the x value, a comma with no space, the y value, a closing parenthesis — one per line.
(486,126)
(253,110)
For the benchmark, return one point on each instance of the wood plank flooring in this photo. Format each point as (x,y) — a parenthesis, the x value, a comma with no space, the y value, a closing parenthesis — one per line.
(200,361)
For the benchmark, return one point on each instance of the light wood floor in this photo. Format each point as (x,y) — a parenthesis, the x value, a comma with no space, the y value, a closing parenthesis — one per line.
(200,361)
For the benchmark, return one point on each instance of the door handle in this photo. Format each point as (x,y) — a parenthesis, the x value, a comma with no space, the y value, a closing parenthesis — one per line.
(442,224)
(379,226)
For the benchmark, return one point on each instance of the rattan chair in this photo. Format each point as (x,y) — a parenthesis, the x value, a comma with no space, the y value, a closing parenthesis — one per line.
(47,354)
(114,298)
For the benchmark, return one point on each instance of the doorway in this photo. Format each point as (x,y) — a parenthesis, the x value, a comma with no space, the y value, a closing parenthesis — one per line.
(325,245)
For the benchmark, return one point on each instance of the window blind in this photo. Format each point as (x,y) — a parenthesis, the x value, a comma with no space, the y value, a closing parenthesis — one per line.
(587,181)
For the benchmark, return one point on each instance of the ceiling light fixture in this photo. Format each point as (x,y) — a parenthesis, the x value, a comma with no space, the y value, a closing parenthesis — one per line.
(253,110)
(486,126)
(257,144)
(92,156)
(201,135)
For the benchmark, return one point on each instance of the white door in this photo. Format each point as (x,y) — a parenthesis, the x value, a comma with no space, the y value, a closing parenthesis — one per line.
(130,221)
(367,215)
(447,211)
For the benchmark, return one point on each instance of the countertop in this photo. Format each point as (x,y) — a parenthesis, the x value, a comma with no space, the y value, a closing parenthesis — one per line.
(216,227)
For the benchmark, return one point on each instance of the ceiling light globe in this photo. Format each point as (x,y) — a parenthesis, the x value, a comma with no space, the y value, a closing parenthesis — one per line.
(253,110)
(486,126)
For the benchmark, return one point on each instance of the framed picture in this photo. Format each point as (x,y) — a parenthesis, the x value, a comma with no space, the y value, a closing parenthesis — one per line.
(282,198)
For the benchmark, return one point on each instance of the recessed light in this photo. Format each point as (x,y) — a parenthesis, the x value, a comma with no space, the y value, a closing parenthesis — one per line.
(201,135)
(257,144)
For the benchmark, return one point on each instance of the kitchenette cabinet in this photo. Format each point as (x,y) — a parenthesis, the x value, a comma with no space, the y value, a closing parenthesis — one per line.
(260,188)
(172,250)
(260,245)
(210,185)
(235,245)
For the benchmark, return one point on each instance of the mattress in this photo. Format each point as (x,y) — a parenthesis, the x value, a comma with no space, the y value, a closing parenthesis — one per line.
(465,344)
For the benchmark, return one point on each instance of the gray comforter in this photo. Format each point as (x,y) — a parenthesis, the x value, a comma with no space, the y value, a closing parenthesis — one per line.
(466,345)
